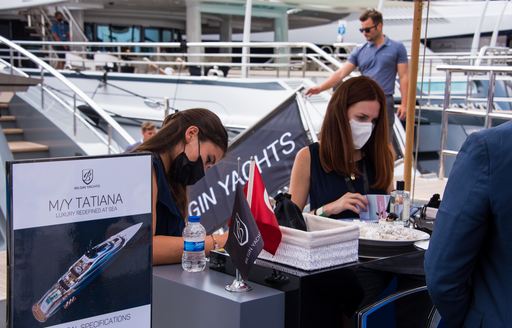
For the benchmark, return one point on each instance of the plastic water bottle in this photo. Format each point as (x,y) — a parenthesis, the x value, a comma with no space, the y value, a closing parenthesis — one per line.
(193,259)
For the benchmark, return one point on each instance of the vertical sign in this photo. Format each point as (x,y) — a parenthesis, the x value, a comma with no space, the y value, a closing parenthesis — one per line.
(79,242)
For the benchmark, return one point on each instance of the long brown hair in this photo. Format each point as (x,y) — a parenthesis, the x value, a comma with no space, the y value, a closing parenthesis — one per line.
(336,130)
(172,134)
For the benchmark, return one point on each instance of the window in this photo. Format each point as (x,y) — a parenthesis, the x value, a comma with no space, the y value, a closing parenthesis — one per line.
(103,33)
(125,33)
(120,33)
(167,36)
(151,34)
(89,31)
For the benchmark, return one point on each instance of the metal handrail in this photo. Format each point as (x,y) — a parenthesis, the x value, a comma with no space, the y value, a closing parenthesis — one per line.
(318,56)
(306,45)
(311,46)
(74,24)
(440,58)
(67,107)
(474,69)
(320,63)
(489,114)
(73,112)
(44,20)
(112,124)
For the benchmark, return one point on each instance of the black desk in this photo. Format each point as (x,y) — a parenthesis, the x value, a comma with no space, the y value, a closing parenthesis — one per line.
(318,298)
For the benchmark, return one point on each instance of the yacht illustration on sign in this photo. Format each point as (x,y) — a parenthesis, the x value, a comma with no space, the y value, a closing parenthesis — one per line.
(81,273)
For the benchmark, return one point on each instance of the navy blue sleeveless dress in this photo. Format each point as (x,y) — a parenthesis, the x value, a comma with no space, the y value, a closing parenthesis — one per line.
(169,221)
(326,187)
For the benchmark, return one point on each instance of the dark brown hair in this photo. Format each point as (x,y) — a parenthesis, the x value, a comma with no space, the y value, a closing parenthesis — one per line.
(336,132)
(375,15)
(172,134)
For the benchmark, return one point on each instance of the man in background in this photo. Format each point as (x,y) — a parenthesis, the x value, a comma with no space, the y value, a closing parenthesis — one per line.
(380,58)
(148,130)
(60,32)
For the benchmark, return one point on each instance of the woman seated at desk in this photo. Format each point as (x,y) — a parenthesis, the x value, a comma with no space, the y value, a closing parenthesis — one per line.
(353,157)
(189,142)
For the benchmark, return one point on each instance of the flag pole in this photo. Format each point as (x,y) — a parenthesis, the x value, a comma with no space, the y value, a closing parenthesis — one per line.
(411,99)
(238,285)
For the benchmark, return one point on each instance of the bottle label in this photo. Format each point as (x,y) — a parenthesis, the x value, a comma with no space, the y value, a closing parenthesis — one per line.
(193,246)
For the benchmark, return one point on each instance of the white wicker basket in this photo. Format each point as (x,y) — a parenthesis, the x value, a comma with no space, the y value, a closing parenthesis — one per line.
(327,243)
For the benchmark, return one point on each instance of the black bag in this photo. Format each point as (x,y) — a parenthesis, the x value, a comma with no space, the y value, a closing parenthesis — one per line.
(435,201)
(287,213)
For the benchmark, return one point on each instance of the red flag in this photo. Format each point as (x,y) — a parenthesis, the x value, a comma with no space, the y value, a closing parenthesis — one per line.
(257,198)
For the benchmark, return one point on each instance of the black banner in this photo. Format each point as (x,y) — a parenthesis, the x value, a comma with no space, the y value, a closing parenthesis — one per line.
(273,142)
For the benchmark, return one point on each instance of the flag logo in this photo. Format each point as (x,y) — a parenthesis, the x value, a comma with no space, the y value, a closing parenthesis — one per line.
(240,230)
(244,242)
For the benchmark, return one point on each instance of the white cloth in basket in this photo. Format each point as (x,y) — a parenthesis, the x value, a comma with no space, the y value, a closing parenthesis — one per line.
(327,243)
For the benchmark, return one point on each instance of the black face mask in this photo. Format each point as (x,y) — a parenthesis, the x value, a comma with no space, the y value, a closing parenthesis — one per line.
(185,171)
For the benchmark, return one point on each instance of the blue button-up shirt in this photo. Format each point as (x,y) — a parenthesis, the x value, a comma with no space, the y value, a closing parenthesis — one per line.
(380,63)
(61,29)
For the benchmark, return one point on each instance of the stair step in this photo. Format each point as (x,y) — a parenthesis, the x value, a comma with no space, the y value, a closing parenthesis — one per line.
(4,106)
(5,97)
(7,118)
(26,147)
(8,121)
(12,131)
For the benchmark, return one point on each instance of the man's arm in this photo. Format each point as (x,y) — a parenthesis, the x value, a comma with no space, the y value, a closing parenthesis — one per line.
(55,33)
(335,78)
(459,232)
(56,37)
(403,75)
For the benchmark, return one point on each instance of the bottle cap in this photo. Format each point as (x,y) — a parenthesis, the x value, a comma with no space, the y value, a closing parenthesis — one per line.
(400,185)
(194,218)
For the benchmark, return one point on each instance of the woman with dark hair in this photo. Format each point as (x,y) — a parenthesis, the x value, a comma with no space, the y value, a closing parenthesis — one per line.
(189,142)
(353,157)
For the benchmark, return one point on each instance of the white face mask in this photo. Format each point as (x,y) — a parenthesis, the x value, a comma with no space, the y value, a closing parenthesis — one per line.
(361,132)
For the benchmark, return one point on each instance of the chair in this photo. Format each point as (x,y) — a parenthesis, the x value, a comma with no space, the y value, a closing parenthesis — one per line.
(432,320)
(195,70)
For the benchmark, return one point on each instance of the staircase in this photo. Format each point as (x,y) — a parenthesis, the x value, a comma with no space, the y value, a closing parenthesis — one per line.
(38,24)
(19,147)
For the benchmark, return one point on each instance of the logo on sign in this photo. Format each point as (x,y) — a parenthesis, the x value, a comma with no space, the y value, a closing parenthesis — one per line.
(241,231)
(87,176)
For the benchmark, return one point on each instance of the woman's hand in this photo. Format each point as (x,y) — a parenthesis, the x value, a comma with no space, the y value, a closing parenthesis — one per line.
(221,239)
(354,202)
(215,241)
